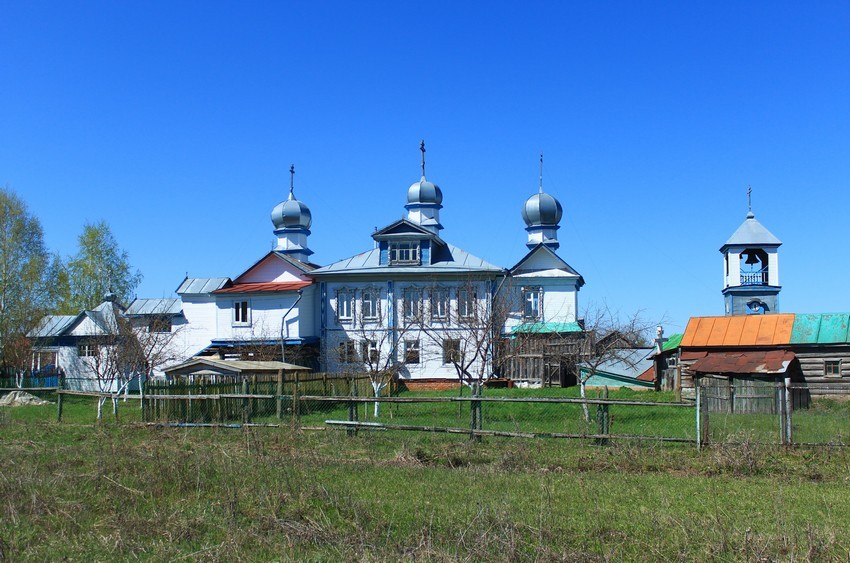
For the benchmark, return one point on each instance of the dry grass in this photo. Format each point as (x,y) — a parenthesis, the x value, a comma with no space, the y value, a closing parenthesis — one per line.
(121,493)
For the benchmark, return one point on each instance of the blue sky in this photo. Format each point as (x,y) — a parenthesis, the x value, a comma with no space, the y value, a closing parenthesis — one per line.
(177,122)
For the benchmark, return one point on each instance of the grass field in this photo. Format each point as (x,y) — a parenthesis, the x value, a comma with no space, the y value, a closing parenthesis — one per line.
(120,492)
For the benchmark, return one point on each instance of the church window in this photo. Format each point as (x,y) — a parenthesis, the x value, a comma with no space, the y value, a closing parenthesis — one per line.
(347,352)
(411,351)
(241,313)
(832,368)
(440,303)
(451,351)
(404,253)
(466,303)
(344,304)
(370,299)
(87,350)
(412,305)
(531,297)
(370,352)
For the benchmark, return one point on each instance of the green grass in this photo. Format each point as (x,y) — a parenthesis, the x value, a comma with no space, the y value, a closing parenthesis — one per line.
(120,492)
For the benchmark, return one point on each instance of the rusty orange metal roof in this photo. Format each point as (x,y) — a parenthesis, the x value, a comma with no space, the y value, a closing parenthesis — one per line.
(754,362)
(743,330)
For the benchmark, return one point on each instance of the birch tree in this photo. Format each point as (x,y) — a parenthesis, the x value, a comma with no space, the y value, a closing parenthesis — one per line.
(26,273)
(98,268)
(609,336)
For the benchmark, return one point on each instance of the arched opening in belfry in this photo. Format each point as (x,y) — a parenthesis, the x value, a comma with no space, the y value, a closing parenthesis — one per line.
(754,267)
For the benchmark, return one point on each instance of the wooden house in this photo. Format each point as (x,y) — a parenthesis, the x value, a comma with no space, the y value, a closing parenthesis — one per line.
(748,354)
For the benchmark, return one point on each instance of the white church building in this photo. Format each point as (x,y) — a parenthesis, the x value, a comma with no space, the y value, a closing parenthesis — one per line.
(412,305)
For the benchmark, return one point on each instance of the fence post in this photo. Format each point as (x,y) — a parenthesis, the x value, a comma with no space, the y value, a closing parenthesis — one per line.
(142,382)
(59,406)
(789,409)
(246,417)
(352,407)
(279,394)
(779,396)
(603,419)
(697,384)
(296,401)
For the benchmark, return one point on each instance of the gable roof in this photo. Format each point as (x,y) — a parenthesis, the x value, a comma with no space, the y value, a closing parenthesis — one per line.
(404,228)
(543,251)
(104,317)
(297,264)
(450,259)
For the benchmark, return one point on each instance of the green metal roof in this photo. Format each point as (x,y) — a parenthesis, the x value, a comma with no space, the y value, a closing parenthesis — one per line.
(546,328)
(672,342)
(821,328)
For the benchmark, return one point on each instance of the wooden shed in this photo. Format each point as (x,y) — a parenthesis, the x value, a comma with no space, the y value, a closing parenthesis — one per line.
(214,371)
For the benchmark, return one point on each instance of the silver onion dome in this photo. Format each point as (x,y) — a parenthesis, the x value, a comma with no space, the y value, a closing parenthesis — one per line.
(541,209)
(424,192)
(291,214)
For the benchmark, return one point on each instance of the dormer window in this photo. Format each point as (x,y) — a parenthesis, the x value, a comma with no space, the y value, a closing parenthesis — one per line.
(404,253)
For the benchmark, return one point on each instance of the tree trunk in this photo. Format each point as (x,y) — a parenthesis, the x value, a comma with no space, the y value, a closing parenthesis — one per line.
(583,388)
(377,387)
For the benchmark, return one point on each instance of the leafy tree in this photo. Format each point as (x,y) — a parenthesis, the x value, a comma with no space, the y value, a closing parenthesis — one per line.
(98,268)
(26,273)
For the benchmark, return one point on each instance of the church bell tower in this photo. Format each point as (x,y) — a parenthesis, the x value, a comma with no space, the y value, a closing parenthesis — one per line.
(751,266)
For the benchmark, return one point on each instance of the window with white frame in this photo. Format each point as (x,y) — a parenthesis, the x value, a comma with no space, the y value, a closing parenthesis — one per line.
(412,303)
(43,359)
(531,298)
(832,368)
(451,351)
(370,352)
(344,305)
(466,303)
(241,313)
(440,303)
(347,352)
(87,350)
(370,301)
(404,252)
(411,351)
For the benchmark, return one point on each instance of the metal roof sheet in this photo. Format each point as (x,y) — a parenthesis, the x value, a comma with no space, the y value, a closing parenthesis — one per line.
(453,260)
(162,306)
(263,287)
(739,330)
(672,342)
(627,362)
(545,328)
(824,328)
(758,362)
(751,232)
(195,365)
(194,286)
(52,325)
